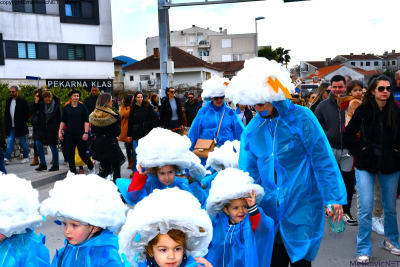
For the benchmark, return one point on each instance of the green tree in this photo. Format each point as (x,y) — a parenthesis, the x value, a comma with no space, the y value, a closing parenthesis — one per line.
(267,52)
(278,54)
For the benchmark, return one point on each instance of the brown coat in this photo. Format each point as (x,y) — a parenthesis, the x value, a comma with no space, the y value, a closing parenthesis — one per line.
(124,112)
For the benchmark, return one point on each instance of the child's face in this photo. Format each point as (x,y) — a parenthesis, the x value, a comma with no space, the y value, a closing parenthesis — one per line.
(167,253)
(236,210)
(166,174)
(76,232)
(356,92)
(2,237)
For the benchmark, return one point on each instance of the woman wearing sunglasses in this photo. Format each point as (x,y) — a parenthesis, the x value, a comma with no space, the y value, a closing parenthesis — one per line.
(323,92)
(376,153)
(215,121)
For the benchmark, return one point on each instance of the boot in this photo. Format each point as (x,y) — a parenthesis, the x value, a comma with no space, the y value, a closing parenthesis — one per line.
(52,161)
(54,168)
(35,161)
(41,167)
(130,163)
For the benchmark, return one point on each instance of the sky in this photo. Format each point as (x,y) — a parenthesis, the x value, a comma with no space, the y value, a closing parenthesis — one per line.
(313,30)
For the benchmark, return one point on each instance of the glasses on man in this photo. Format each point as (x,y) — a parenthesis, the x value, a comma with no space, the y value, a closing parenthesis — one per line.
(172,92)
(218,97)
(382,88)
(12,92)
(190,97)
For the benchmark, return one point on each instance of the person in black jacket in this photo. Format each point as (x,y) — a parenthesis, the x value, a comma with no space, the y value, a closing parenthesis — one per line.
(171,116)
(191,108)
(373,137)
(3,146)
(48,107)
(16,118)
(142,119)
(245,114)
(90,103)
(108,127)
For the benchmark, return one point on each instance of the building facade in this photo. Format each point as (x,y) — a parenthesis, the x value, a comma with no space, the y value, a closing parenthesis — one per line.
(210,46)
(60,41)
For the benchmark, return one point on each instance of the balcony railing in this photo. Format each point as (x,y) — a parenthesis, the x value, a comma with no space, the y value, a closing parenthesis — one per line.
(304,69)
(206,58)
(204,43)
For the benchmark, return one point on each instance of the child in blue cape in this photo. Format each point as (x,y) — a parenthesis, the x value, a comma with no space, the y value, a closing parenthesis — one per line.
(90,209)
(243,234)
(161,155)
(19,245)
(166,229)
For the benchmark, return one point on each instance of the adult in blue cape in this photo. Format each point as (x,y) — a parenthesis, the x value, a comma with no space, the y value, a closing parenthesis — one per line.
(285,149)
(215,121)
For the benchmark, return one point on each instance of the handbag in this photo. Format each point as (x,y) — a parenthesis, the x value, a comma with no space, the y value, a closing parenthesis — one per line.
(35,120)
(205,146)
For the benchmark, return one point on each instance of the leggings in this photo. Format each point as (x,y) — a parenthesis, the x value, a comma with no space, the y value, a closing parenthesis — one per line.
(280,258)
(73,141)
(129,150)
(116,168)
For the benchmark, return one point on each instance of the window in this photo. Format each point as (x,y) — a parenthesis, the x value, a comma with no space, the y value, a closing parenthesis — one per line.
(79,11)
(353,63)
(226,43)
(367,63)
(393,62)
(383,63)
(131,78)
(76,52)
(38,7)
(238,57)
(361,63)
(144,77)
(226,58)
(26,50)
(376,63)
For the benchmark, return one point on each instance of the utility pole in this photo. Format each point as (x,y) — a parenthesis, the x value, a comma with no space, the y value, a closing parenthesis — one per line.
(163,32)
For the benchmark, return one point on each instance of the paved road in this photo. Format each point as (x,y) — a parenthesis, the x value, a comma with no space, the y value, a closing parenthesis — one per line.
(336,249)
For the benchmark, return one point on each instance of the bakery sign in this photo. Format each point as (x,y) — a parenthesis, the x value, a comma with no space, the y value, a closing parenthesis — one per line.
(103,85)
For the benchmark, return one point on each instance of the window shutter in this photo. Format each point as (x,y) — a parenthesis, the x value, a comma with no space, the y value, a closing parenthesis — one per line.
(1,50)
(18,6)
(87,10)
(11,50)
(90,52)
(31,50)
(40,7)
(71,52)
(21,50)
(62,52)
(42,51)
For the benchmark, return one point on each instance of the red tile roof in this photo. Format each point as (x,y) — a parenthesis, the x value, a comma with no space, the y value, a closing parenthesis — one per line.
(367,72)
(321,64)
(229,65)
(324,71)
(117,61)
(361,57)
(181,60)
(391,56)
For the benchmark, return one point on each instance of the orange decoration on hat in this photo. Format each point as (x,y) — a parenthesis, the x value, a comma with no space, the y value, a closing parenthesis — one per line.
(226,83)
(276,85)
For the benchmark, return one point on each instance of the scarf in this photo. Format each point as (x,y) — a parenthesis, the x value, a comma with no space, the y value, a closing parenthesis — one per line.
(151,262)
(48,109)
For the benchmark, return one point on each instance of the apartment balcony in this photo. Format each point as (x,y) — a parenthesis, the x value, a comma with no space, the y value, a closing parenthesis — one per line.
(204,44)
(206,58)
(183,44)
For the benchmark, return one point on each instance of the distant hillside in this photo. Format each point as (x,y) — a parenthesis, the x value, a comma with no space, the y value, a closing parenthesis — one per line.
(128,61)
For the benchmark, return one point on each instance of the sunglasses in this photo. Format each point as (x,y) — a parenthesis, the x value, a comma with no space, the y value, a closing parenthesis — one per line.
(12,92)
(172,92)
(328,91)
(382,88)
(219,97)
(190,97)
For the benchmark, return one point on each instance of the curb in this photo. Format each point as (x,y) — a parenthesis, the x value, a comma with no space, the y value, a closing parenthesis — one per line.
(46,179)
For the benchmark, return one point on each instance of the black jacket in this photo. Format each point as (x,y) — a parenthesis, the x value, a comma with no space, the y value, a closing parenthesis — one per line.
(3,144)
(47,131)
(21,117)
(378,150)
(166,112)
(248,115)
(314,107)
(191,111)
(332,120)
(141,121)
(90,103)
(108,127)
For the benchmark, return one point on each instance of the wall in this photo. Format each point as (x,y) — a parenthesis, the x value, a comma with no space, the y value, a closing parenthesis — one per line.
(240,44)
(345,71)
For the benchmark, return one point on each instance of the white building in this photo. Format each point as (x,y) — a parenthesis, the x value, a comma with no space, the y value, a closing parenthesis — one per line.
(210,46)
(64,42)
(188,71)
(363,61)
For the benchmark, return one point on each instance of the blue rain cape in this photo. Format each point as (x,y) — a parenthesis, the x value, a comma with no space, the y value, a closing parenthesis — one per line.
(24,250)
(152,183)
(205,126)
(237,245)
(295,147)
(189,263)
(98,251)
(199,193)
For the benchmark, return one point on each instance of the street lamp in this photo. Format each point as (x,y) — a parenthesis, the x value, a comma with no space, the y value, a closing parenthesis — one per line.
(255,48)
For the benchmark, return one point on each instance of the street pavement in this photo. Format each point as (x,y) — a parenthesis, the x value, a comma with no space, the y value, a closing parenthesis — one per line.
(335,250)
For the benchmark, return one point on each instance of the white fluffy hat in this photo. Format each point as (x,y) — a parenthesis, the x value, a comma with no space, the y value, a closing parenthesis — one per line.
(160,212)
(260,81)
(163,147)
(214,87)
(19,204)
(196,169)
(227,155)
(228,185)
(89,199)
